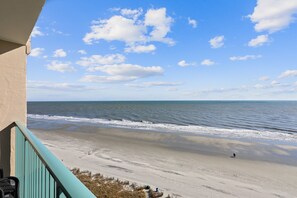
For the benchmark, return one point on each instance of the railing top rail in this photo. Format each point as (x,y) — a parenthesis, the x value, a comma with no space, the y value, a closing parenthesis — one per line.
(66,180)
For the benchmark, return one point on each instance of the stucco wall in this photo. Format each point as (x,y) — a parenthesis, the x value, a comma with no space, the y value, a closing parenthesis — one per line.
(13,104)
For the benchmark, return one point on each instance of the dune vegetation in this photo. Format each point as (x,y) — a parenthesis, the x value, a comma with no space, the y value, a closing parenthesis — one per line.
(109,187)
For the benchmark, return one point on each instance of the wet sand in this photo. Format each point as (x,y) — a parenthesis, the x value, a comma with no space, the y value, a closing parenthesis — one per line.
(182,165)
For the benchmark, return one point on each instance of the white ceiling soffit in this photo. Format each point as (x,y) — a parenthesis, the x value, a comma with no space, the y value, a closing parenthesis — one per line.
(17,19)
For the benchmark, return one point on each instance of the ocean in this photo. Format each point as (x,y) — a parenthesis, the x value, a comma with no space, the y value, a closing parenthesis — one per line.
(264,120)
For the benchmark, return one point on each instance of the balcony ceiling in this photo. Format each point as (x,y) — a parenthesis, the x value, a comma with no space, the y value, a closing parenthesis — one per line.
(17,19)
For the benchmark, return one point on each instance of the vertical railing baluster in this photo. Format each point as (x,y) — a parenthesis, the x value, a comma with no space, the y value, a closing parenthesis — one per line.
(32,167)
(49,185)
(51,189)
(23,166)
(26,169)
(43,180)
(30,171)
(55,189)
(40,181)
(38,177)
(35,175)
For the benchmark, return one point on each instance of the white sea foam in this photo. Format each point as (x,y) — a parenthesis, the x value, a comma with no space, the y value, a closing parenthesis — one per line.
(163,127)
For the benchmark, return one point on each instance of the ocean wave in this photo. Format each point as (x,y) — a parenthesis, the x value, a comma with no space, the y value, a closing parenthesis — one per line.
(163,127)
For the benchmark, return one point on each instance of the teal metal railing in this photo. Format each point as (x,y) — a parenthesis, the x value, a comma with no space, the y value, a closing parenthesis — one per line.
(41,174)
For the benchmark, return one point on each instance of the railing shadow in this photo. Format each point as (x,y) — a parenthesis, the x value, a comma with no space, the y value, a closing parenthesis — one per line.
(5,149)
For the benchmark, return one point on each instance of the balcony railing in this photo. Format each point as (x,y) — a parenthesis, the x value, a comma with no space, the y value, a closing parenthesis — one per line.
(40,173)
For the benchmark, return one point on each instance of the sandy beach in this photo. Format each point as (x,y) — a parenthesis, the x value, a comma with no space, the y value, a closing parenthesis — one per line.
(181,165)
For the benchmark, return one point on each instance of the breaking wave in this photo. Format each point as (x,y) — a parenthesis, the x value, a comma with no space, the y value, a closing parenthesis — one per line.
(164,127)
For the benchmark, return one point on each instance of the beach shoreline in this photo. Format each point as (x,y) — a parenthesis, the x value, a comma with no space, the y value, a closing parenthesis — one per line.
(182,165)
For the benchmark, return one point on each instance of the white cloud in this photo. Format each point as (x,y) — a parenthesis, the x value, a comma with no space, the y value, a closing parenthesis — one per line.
(46,85)
(264,78)
(288,73)
(258,41)
(224,90)
(117,71)
(244,58)
(273,15)
(96,60)
(266,89)
(131,70)
(217,42)
(57,86)
(260,86)
(184,63)
(132,13)
(36,32)
(161,25)
(207,62)
(131,30)
(35,52)
(192,22)
(116,28)
(274,83)
(82,52)
(162,84)
(56,31)
(106,79)
(140,48)
(59,53)
(172,89)
(155,84)
(60,66)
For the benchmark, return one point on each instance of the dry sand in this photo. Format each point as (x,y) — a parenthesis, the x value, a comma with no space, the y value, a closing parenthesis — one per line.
(180,165)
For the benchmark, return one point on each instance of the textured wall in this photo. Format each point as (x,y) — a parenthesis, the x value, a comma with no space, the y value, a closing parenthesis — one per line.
(12,99)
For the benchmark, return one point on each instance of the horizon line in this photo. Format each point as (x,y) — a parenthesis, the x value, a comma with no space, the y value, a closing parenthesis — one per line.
(221,100)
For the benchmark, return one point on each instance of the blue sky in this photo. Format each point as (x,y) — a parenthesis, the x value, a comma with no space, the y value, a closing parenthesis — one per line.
(164,50)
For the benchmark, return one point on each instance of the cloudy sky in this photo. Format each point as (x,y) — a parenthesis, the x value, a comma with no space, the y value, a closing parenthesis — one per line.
(164,50)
